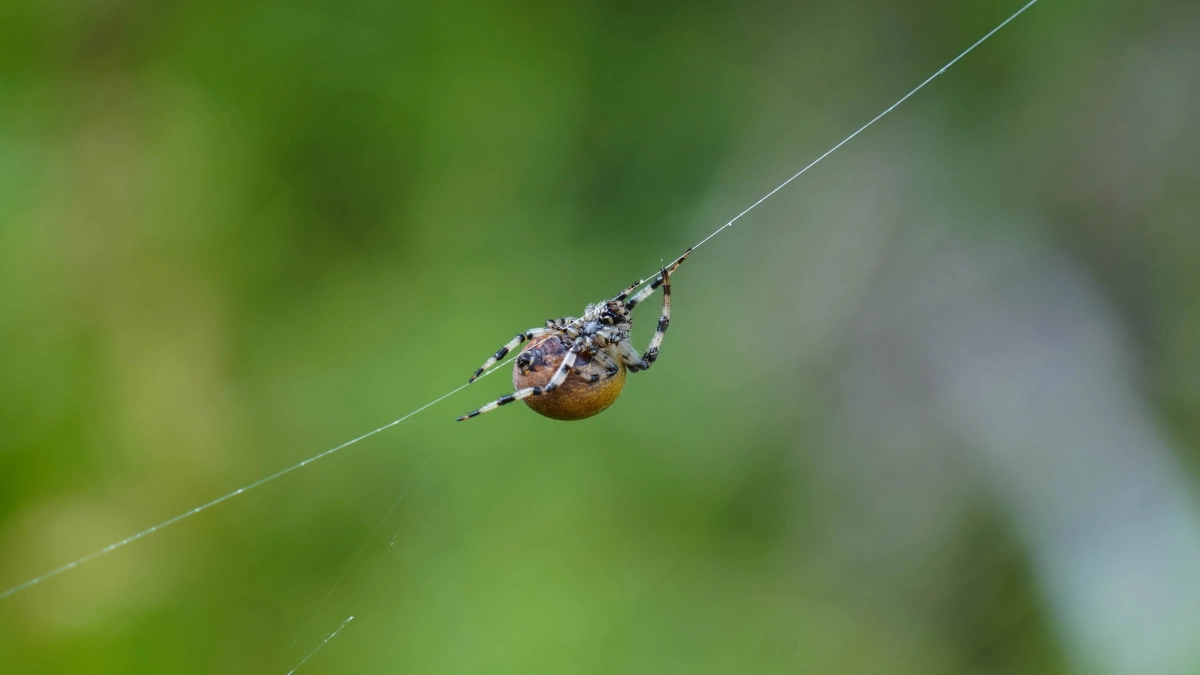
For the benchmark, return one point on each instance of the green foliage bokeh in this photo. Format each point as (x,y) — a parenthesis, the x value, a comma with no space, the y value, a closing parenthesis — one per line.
(236,234)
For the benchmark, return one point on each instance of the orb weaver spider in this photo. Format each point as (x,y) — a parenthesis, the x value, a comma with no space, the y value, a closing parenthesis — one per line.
(575,368)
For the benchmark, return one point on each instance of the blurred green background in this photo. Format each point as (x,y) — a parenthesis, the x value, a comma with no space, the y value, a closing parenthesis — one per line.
(886,430)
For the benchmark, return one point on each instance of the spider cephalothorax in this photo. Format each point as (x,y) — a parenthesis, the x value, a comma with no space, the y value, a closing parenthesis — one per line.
(575,368)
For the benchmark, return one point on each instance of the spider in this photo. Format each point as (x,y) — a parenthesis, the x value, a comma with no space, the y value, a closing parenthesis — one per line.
(575,368)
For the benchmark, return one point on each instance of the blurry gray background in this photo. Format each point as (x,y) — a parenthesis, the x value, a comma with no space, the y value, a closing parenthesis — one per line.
(933,408)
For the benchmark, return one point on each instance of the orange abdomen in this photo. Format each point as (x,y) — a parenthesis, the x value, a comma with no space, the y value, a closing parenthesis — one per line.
(576,398)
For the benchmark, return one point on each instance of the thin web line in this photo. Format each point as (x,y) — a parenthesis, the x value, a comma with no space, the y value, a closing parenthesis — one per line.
(371,538)
(323,642)
(187,514)
(864,127)
(198,509)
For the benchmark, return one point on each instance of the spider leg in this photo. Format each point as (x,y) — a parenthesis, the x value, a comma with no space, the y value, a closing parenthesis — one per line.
(557,379)
(610,366)
(647,359)
(647,291)
(625,293)
(663,321)
(623,350)
(521,337)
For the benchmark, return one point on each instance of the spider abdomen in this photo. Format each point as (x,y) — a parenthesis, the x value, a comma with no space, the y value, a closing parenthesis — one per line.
(589,389)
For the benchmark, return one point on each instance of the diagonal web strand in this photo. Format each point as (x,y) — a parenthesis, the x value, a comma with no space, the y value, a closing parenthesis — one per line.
(187,514)
(861,129)
(323,643)
(371,538)
(129,540)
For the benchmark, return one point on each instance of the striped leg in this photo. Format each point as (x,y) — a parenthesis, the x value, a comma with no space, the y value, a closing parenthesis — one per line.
(557,379)
(630,358)
(645,292)
(625,293)
(521,337)
(610,367)
(663,321)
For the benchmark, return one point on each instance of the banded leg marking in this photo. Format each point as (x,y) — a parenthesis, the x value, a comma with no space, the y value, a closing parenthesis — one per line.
(625,293)
(610,367)
(647,291)
(512,344)
(663,322)
(559,377)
